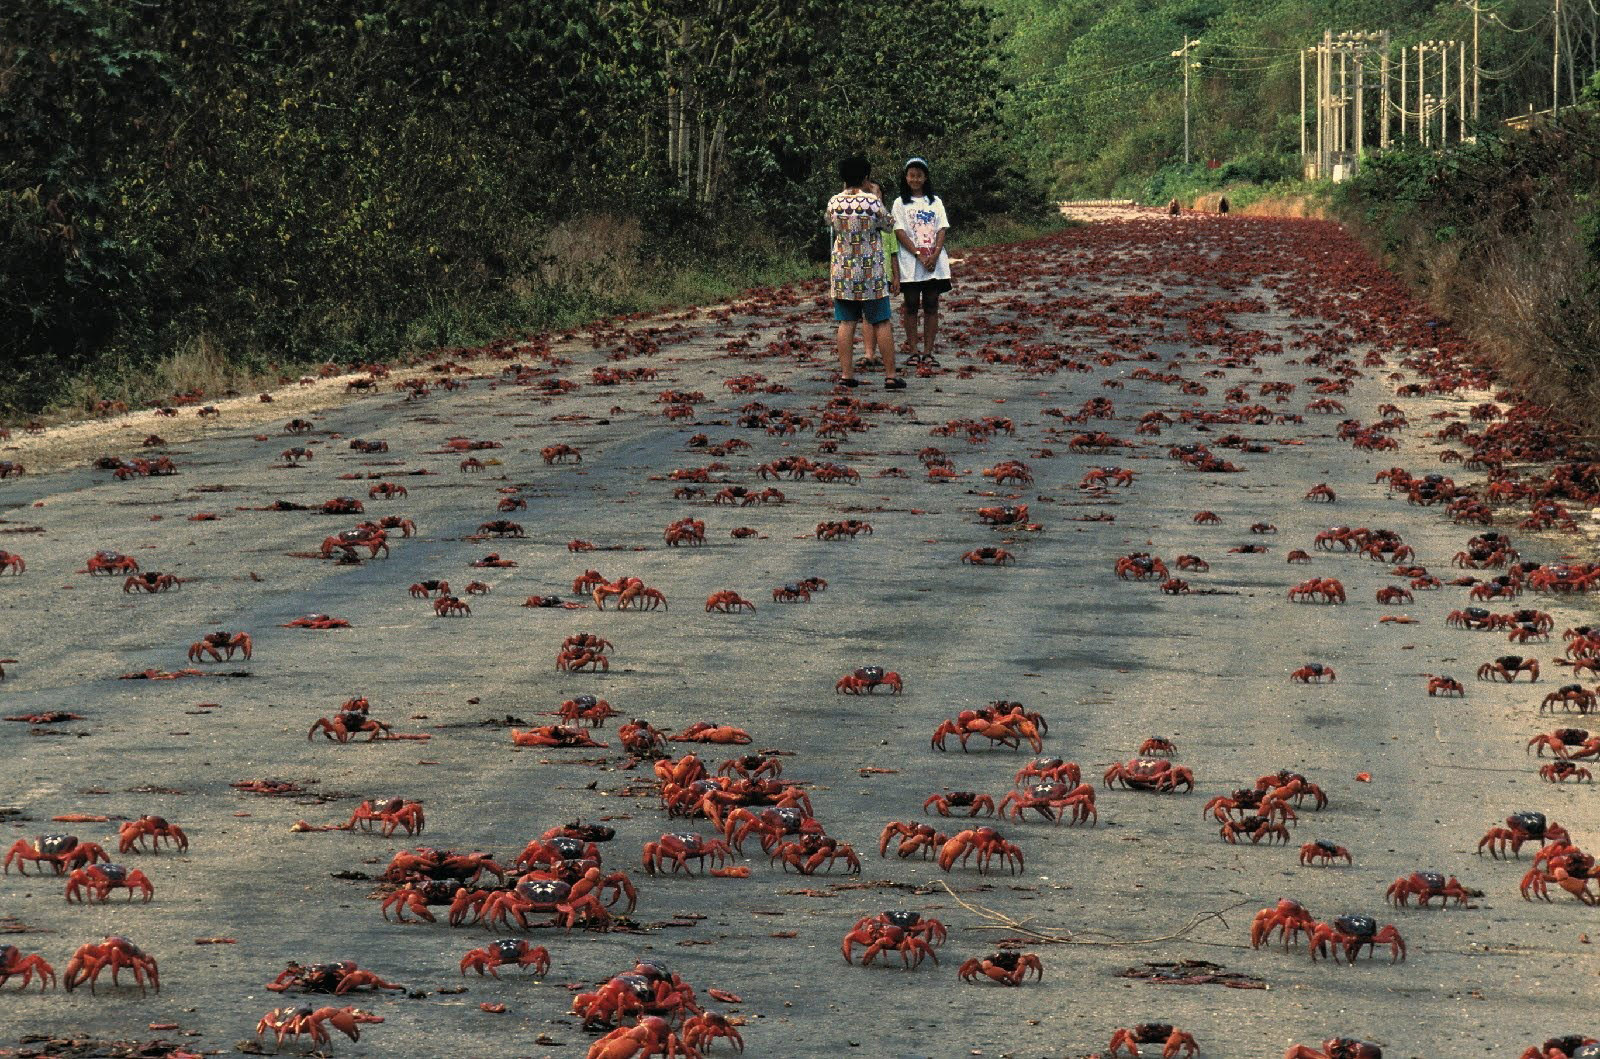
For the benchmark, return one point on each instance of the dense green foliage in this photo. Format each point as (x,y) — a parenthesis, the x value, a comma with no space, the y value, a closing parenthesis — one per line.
(1099,95)
(285,182)
(1503,235)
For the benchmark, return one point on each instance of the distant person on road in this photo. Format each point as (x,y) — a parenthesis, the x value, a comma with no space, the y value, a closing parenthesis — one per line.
(920,227)
(1174,208)
(882,355)
(859,280)
(1222,205)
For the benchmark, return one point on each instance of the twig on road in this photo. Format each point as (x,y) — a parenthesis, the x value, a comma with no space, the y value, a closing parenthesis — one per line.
(1001,921)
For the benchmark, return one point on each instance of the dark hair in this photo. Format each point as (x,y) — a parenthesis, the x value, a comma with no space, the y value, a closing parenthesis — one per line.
(853,170)
(927,184)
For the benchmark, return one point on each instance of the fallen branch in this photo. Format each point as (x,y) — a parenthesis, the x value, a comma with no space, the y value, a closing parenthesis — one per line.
(1003,922)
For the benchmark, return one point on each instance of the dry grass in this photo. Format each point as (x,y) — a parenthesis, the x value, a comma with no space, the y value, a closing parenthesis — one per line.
(1523,300)
(594,253)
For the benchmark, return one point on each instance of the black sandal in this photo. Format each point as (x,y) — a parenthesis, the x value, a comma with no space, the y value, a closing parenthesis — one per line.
(851,382)
(894,384)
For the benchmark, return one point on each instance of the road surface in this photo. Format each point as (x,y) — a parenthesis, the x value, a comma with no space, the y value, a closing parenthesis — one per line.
(1032,333)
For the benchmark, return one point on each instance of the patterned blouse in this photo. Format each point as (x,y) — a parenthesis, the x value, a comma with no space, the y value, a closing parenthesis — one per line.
(857,262)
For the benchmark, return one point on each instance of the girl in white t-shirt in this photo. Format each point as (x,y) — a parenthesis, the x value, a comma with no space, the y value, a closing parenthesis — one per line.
(920,226)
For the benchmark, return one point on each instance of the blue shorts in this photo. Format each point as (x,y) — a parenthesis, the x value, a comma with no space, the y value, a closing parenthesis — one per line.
(875,311)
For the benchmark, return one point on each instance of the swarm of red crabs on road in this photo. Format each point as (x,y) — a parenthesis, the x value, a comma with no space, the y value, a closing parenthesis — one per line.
(559,879)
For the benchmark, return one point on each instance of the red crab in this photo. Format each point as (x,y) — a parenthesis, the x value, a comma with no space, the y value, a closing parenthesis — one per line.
(1049,769)
(1313,673)
(706,732)
(680,848)
(1569,696)
(1149,774)
(1338,1048)
(215,643)
(98,880)
(61,852)
(507,952)
(915,838)
(866,680)
(728,601)
(1002,729)
(1051,800)
(110,563)
(884,933)
(390,813)
(1005,515)
(1425,886)
(987,843)
(451,606)
(1520,827)
(1008,967)
(306,1021)
(1104,476)
(14,962)
(11,563)
(1141,566)
(586,708)
(810,852)
(337,977)
(1318,589)
(1352,933)
(560,454)
(1444,686)
(554,735)
(1173,1041)
(132,835)
(1561,740)
(1568,1047)
(115,952)
(1324,852)
(314,621)
(988,556)
(1561,771)
(1287,915)
(649,989)
(973,802)
(1255,828)
(1506,668)
(151,581)
(347,723)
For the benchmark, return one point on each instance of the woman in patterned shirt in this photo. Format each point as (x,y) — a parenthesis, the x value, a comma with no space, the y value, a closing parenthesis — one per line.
(860,282)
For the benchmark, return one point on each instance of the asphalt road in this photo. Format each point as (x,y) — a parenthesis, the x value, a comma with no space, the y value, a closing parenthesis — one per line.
(1107,662)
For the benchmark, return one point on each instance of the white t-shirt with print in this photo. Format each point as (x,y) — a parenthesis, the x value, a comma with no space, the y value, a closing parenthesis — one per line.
(922,221)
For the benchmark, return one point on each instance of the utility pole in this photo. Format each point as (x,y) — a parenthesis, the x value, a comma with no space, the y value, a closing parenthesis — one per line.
(1402,94)
(1302,111)
(1475,66)
(1361,114)
(1383,51)
(1183,53)
(1461,104)
(1555,69)
(1383,47)
(1324,131)
(1421,99)
(1444,92)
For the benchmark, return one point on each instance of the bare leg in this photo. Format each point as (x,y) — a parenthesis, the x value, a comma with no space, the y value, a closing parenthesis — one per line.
(912,341)
(846,343)
(930,329)
(886,348)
